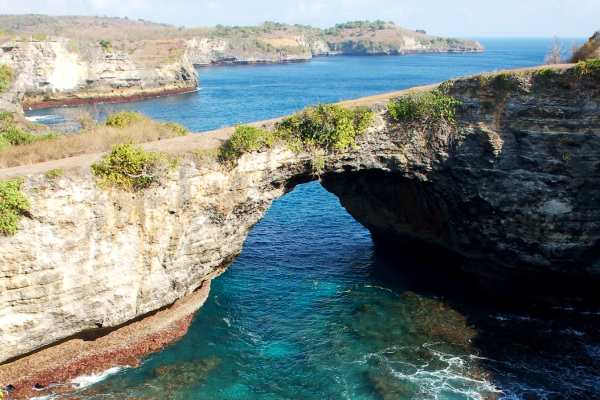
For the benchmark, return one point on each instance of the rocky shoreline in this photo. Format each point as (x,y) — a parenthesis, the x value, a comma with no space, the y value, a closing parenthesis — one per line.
(78,101)
(51,370)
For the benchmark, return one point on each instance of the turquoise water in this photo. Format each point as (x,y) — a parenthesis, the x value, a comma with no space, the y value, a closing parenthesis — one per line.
(312,309)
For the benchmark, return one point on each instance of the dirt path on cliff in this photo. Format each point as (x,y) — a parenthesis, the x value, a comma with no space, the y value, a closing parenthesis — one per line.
(210,139)
(180,145)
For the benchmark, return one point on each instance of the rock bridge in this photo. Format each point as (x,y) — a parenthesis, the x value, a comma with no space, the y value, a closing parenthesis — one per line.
(513,192)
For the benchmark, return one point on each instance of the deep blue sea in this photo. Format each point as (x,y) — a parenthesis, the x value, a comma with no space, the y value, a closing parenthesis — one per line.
(313,310)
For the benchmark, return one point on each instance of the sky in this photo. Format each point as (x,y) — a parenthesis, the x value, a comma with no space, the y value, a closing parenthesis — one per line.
(452,18)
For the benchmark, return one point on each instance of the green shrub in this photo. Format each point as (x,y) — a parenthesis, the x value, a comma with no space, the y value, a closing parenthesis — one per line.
(589,67)
(123,119)
(544,75)
(179,130)
(105,45)
(431,106)
(12,205)
(244,140)
(6,116)
(4,143)
(16,136)
(6,76)
(324,125)
(131,167)
(501,82)
(54,173)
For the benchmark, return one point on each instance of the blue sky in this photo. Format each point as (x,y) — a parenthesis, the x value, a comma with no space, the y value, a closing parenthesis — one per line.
(466,18)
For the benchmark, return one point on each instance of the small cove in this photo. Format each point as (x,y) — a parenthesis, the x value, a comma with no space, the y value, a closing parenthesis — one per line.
(311,309)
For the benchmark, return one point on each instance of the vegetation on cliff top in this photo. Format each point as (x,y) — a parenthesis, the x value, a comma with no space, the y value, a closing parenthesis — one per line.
(326,126)
(245,139)
(125,127)
(590,49)
(589,67)
(428,107)
(6,77)
(133,35)
(13,204)
(131,167)
(13,133)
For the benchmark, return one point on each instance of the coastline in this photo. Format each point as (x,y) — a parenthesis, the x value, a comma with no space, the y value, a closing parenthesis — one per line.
(325,55)
(123,98)
(51,370)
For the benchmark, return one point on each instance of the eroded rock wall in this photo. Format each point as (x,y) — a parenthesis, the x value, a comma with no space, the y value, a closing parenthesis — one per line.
(55,72)
(514,189)
(90,258)
(207,51)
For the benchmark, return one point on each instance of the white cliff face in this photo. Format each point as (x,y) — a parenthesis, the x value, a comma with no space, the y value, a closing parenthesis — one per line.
(49,71)
(316,46)
(205,51)
(91,257)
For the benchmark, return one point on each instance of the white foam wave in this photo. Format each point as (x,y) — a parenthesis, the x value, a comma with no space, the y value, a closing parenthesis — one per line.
(43,118)
(48,397)
(454,379)
(88,380)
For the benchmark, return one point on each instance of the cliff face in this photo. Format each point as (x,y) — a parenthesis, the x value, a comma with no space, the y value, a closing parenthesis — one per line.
(205,51)
(405,45)
(513,189)
(50,74)
(103,258)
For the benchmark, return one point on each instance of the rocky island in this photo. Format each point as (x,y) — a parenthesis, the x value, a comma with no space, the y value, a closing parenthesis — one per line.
(459,165)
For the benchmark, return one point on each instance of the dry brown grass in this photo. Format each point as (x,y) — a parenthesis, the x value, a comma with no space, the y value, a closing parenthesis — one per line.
(282,42)
(591,49)
(99,139)
(154,53)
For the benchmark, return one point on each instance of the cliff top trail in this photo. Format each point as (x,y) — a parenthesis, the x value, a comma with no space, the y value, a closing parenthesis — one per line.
(209,139)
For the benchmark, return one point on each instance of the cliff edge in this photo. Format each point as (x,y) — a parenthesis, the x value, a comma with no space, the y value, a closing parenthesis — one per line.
(58,71)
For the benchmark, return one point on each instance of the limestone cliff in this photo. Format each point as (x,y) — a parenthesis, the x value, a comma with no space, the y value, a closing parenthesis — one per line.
(512,188)
(207,51)
(55,71)
(222,50)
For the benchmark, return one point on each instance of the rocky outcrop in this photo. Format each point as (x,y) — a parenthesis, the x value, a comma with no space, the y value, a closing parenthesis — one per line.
(589,50)
(512,189)
(317,46)
(206,51)
(404,45)
(55,72)
(106,257)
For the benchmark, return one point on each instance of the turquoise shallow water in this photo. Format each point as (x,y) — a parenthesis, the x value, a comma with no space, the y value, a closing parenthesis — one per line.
(312,309)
